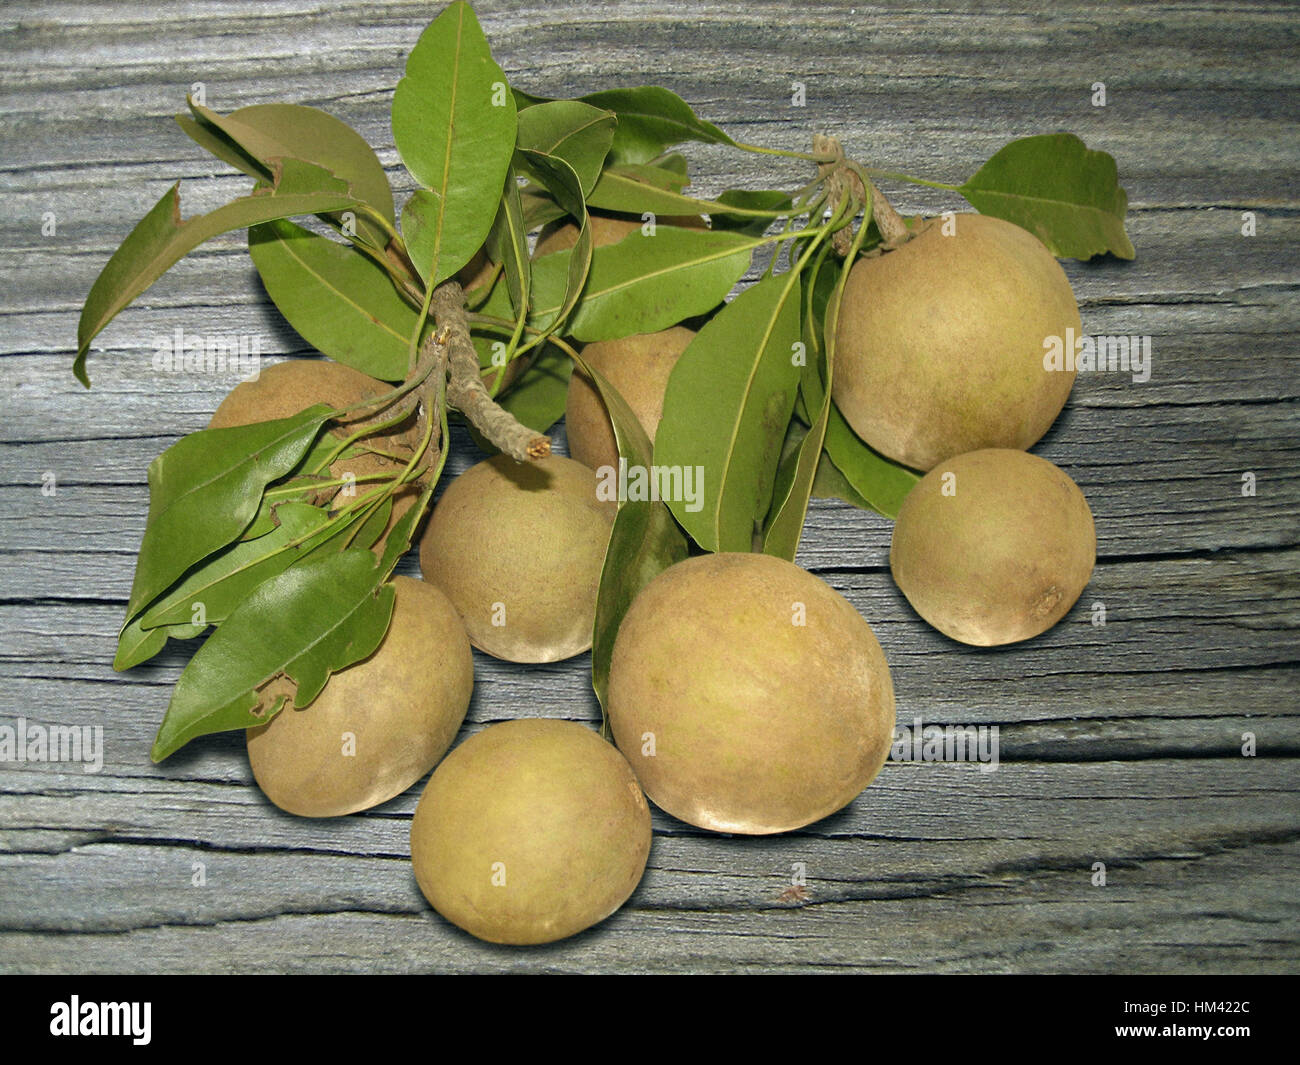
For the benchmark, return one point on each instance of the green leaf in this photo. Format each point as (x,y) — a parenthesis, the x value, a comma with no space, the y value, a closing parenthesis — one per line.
(636,190)
(252,139)
(454,125)
(508,245)
(884,484)
(136,645)
(339,300)
(829,483)
(225,579)
(567,190)
(538,399)
(643,284)
(205,489)
(1055,187)
(750,199)
(643,543)
(399,536)
(162,239)
(797,469)
(727,405)
(650,119)
(570,130)
(280,643)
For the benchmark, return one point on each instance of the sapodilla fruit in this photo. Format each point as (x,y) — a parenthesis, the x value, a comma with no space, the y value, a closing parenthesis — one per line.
(748,695)
(605,229)
(639,367)
(940,343)
(378,726)
(518,548)
(529,832)
(993,546)
(287,388)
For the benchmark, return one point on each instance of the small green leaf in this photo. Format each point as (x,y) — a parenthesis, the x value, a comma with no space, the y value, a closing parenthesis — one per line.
(161,239)
(1055,187)
(643,284)
(136,645)
(281,643)
(884,484)
(727,405)
(205,489)
(339,300)
(454,124)
(570,130)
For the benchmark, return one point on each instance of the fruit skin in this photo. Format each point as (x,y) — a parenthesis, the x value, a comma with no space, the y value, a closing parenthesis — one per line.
(605,229)
(404,705)
(531,536)
(939,347)
(639,367)
(286,388)
(556,806)
(1001,560)
(759,724)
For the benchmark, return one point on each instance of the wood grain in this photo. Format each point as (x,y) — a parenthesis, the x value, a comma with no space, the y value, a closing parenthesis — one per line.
(1119,744)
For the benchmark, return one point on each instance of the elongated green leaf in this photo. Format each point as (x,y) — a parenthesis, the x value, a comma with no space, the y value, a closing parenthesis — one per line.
(454,124)
(650,119)
(253,138)
(281,643)
(567,190)
(1067,195)
(225,579)
(727,405)
(205,489)
(508,245)
(798,470)
(644,542)
(643,284)
(162,239)
(339,301)
(570,130)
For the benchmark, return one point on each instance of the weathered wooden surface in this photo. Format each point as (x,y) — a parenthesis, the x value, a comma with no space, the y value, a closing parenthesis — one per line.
(1119,744)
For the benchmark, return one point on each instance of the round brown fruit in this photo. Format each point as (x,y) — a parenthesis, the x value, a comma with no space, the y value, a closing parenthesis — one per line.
(638,366)
(518,548)
(994,546)
(530,831)
(396,711)
(605,229)
(940,343)
(748,695)
(287,388)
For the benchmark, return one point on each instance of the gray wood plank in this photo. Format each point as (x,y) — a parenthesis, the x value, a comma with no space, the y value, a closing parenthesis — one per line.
(1118,744)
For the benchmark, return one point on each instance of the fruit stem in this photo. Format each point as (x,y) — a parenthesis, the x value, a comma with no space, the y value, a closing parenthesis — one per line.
(465,389)
(890,223)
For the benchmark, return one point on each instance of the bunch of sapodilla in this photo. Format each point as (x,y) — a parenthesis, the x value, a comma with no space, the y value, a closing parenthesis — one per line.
(531,830)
